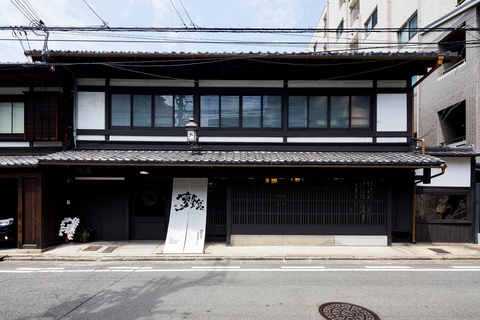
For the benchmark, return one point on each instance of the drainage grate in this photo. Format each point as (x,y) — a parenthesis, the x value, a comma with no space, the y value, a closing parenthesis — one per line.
(344,311)
(438,250)
(109,249)
(92,248)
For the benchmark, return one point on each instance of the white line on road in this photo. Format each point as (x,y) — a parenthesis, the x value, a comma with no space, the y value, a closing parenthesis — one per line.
(388,267)
(218,267)
(300,267)
(466,267)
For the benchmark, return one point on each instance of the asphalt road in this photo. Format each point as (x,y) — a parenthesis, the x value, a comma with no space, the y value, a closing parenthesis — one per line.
(196,290)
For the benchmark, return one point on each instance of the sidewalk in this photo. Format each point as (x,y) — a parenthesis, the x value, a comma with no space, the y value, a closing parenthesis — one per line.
(218,251)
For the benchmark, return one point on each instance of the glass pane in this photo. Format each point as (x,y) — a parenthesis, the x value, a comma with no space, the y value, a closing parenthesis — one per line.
(252,111)
(120,110)
(403,36)
(163,111)
(209,111)
(360,112)
(183,109)
(272,111)
(142,111)
(339,112)
(374,18)
(412,24)
(297,112)
(18,117)
(230,111)
(318,112)
(441,207)
(5,117)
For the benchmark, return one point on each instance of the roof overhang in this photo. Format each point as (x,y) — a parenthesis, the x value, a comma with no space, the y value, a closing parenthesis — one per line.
(411,160)
(306,65)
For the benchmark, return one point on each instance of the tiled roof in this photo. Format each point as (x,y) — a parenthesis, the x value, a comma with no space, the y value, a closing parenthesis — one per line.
(240,158)
(246,54)
(19,161)
(463,151)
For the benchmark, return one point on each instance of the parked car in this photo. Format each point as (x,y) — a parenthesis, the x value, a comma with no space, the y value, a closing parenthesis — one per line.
(8,229)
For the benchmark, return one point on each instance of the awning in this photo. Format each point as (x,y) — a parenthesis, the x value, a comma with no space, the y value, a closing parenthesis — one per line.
(242,159)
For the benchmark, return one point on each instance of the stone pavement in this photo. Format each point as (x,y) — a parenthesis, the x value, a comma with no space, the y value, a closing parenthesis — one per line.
(218,251)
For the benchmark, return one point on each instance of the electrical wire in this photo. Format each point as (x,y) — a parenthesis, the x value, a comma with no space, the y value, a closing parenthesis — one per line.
(191,22)
(178,13)
(105,23)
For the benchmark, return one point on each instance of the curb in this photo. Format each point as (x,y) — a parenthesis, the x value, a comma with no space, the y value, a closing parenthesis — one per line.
(229,258)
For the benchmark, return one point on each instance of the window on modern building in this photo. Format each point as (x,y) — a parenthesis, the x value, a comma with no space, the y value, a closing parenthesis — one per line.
(354,12)
(335,112)
(408,30)
(11,117)
(240,111)
(340,30)
(431,207)
(372,21)
(452,124)
(146,111)
(454,42)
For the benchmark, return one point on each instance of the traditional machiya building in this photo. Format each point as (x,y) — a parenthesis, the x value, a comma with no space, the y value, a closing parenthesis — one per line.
(282,149)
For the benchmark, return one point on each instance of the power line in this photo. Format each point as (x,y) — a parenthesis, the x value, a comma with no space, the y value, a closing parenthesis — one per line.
(231,30)
(178,13)
(105,23)
(191,22)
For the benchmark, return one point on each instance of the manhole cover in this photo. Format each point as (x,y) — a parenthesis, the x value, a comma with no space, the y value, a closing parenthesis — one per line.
(346,311)
(438,250)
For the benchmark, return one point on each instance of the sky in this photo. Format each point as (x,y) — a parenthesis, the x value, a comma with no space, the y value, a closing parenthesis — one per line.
(158,13)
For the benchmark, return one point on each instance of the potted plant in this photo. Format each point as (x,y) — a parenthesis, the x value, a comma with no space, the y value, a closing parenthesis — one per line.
(68,227)
(84,234)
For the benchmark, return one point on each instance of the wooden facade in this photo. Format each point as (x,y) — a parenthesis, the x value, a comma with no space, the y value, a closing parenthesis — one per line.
(353,121)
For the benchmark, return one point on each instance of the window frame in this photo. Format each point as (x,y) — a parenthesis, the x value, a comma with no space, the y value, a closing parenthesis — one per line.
(340,29)
(329,127)
(153,110)
(12,100)
(371,20)
(406,29)
(241,111)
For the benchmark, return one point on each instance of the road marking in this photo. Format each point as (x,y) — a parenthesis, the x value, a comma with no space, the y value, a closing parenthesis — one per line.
(388,267)
(466,267)
(300,267)
(218,267)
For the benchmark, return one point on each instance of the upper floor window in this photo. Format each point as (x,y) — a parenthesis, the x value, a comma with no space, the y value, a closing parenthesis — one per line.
(408,30)
(334,112)
(372,21)
(340,30)
(228,111)
(146,111)
(11,117)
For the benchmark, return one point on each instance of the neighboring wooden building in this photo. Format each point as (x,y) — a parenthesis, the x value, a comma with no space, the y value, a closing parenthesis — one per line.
(310,148)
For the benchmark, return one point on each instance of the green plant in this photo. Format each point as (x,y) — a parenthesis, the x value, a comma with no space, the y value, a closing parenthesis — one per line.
(85,232)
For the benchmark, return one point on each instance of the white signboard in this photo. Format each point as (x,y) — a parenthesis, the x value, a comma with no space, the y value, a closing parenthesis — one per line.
(188,216)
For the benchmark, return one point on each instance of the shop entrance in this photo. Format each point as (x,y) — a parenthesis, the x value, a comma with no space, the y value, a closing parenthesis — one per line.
(150,205)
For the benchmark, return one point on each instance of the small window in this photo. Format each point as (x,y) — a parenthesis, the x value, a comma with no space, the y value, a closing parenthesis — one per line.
(11,117)
(452,122)
(372,21)
(340,30)
(408,30)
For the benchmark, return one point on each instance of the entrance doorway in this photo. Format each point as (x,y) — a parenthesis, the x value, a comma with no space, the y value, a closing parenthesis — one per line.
(150,205)
(8,212)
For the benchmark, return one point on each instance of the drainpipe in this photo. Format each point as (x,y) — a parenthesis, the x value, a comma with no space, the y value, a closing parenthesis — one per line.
(438,64)
(443,168)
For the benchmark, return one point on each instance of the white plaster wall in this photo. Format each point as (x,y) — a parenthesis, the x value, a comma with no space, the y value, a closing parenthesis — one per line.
(392,112)
(457,174)
(91,110)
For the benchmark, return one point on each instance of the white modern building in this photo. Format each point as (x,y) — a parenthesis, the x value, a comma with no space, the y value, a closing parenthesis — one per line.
(373,25)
